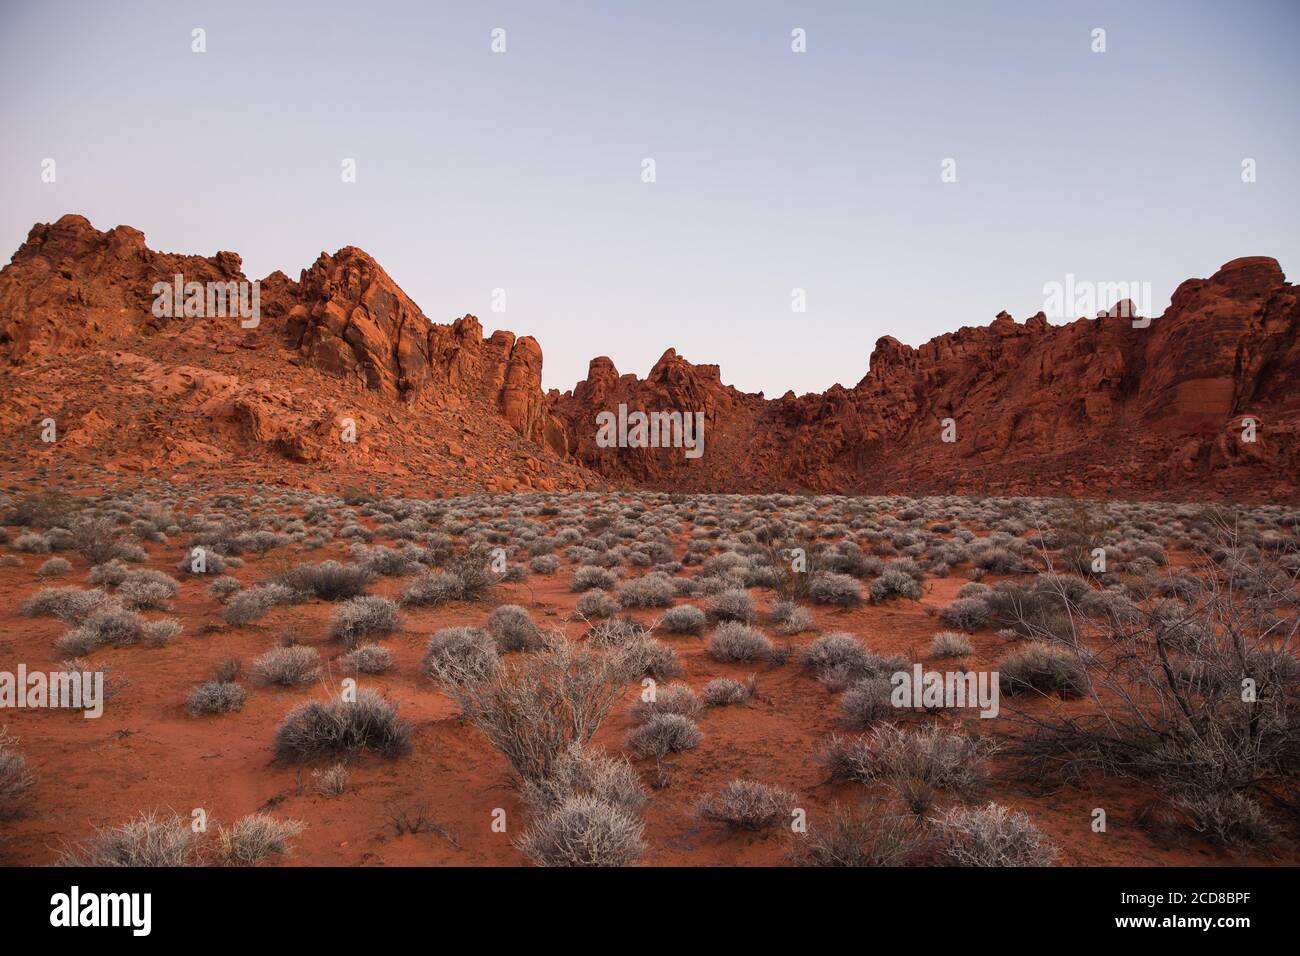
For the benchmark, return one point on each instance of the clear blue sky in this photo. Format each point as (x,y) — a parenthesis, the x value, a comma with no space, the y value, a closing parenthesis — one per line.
(775,170)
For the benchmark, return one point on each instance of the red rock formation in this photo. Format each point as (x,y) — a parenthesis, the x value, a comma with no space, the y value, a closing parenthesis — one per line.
(1095,407)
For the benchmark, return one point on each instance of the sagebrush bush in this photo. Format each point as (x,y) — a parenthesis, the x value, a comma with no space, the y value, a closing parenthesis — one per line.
(291,666)
(731,605)
(652,590)
(1045,669)
(314,729)
(684,619)
(861,839)
(748,805)
(590,576)
(148,840)
(990,836)
(944,759)
(363,617)
(368,659)
(107,624)
(65,603)
(733,642)
(147,588)
(664,734)
(894,583)
(214,697)
(866,701)
(460,656)
(950,644)
(596,604)
(839,590)
(15,779)
(513,628)
(247,606)
(673,699)
(53,568)
(432,589)
(257,837)
(724,691)
(544,564)
(583,830)
(966,614)
(329,580)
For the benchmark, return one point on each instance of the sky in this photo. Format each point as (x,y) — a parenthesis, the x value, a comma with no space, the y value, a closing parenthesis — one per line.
(774,170)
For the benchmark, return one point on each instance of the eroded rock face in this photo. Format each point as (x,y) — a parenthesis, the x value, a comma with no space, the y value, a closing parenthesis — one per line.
(1095,407)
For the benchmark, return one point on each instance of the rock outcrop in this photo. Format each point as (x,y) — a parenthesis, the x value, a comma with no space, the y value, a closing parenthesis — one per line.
(1200,402)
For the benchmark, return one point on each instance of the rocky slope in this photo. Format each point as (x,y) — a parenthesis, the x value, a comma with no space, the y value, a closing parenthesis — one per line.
(1097,407)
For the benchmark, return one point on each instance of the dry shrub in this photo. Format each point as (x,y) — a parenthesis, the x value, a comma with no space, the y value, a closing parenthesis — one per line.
(361,618)
(15,780)
(535,708)
(943,759)
(513,629)
(291,666)
(1045,669)
(576,771)
(214,697)
(673,699)
(331,781)
(329,580)
(724,691)
(148,840)
(255,838)
(461,656)
(990,836)
(664,734)
(314,729)
(950,644)
(866,838)
(733,642)
(583,830)
(748,805)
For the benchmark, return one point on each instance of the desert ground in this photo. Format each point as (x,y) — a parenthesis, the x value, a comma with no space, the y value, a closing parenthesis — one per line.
(650,678)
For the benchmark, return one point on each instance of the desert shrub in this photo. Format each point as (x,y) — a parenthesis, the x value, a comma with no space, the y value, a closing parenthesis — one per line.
(596,604)
(861,839)
(664,734)
(473,567)
(513,629)
(247,606)
(1044,668)
(731,605)
(894,583)
(331,781)
(32,543)
(161,632)
(148,840)
(107,624)
(212,563)
(460,656)
(65,603)
(146,589)
(544,564)
(950,644)
(257,837)
(590,576)
(943,759)
(329,580)
(432,589)
(361,618)
(42,509)
(314,729)
(839,653)
(367,659)
(839,590)
(535,707)
(866,700)
(15,779)
(53,567)
(583,830)
(576,771)
(673,699)
(214,697)
(724,691)
(1229,819)
(1037,614)
(733,642)
(966,614)
(652,590)
(224,586)
(991,836)
(748,805)
(797,621)
(684,619)
(287,666)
